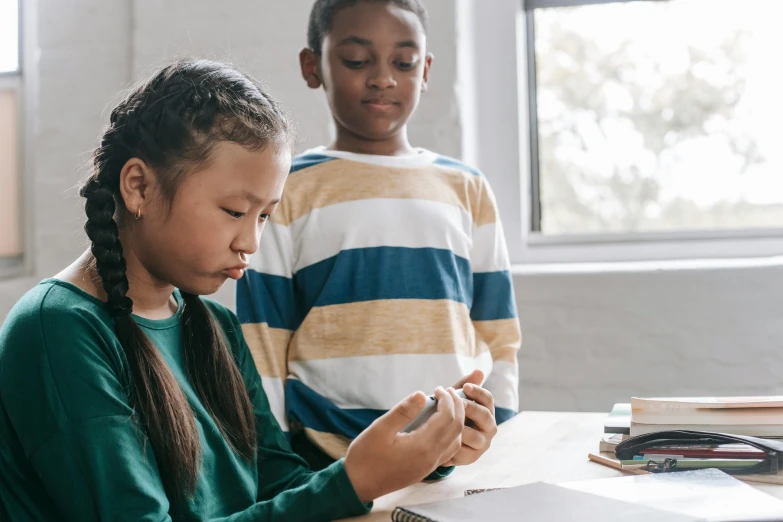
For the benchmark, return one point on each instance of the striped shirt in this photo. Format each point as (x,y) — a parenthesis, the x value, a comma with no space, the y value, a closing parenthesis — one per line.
(376,277)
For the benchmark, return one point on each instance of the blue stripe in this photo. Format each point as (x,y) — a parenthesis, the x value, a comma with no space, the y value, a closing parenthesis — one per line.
(493,296)
(316,412)
(264,298)
(503,414)
(368,274)
(308,160)
(445,161)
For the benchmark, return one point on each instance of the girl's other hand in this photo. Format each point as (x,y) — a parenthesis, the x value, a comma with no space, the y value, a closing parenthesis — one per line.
(381,459)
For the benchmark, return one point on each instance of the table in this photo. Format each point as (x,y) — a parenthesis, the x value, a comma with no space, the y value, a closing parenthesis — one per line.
(531,447)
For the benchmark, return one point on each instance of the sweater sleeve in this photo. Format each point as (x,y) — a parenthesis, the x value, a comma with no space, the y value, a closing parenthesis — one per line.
(493,311)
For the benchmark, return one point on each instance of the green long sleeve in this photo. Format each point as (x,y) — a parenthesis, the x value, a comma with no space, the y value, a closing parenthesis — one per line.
(72,450)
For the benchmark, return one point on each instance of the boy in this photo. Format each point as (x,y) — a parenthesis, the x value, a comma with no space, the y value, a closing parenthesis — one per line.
(385,269)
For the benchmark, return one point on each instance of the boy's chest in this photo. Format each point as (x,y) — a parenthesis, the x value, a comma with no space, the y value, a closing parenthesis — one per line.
(381,222)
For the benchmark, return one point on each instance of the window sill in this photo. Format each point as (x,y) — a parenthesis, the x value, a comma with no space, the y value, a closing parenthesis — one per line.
(645,266)
(659,247)
(535,239)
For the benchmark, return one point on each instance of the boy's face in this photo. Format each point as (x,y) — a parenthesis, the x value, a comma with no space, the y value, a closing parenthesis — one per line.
(373,67)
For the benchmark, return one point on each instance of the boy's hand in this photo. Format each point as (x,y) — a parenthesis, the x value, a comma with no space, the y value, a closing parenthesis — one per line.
(477,435)
(381,459)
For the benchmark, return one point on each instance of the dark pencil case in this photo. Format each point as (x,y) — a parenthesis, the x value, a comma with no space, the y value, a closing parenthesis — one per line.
(629,448)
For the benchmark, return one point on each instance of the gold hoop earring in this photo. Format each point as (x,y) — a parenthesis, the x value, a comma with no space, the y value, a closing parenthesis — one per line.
(138,214)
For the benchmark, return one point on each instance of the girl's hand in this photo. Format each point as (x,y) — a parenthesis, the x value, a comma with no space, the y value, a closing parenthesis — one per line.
(381,459)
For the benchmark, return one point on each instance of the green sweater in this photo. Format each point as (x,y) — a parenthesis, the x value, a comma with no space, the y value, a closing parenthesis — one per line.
(70,447)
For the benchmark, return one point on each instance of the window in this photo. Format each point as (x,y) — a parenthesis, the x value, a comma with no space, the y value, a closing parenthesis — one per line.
(654,116)
(10,135)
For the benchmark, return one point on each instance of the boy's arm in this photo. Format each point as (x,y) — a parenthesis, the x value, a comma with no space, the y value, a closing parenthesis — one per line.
(493,311)
(267,310)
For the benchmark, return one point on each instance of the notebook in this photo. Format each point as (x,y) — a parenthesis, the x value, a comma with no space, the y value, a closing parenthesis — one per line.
(708,493)
(535,502)
(619,419)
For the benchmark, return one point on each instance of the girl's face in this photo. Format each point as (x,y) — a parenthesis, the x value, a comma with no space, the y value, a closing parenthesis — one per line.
(214,223)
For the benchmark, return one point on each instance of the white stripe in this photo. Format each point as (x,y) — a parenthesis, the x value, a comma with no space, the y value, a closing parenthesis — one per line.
(367,223)
(275,252)
(381,381)
(420,158)
(489,253)
(275,393)
(503,383)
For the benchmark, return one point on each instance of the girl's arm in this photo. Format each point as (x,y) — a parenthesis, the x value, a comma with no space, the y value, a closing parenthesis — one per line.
(64,393)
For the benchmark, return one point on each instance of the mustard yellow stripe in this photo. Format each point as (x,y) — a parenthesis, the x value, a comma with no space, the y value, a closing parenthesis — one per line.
(339,181)
(487,211)
(502,337)
(336,446)
(386,327)
(269,347)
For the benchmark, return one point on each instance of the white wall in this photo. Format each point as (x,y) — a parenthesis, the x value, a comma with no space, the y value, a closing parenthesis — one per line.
(591,338)
(76,58)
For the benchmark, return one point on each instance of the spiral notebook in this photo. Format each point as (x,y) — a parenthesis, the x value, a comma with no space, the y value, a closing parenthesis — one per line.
(537,501)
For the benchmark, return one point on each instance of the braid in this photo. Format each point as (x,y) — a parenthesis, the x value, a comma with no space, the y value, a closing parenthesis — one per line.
(106,248)
(172,122)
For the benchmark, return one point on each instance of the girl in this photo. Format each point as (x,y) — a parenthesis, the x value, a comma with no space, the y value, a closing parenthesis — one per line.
(126,396)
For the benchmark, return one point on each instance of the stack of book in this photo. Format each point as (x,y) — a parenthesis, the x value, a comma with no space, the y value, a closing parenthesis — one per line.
(754,416)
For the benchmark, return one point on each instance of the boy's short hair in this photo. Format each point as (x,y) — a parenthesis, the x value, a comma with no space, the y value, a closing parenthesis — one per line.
(323,12)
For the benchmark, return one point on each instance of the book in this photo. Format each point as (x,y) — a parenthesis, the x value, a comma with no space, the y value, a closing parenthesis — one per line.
(709,493)
(675,403)
(754,430)
(619,419)
(610,441)
(536,501)
(757,416)
(736,416)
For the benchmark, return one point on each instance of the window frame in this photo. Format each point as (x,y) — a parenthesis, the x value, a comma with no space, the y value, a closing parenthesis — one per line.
(16,265)
(507,154)
(20,38)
